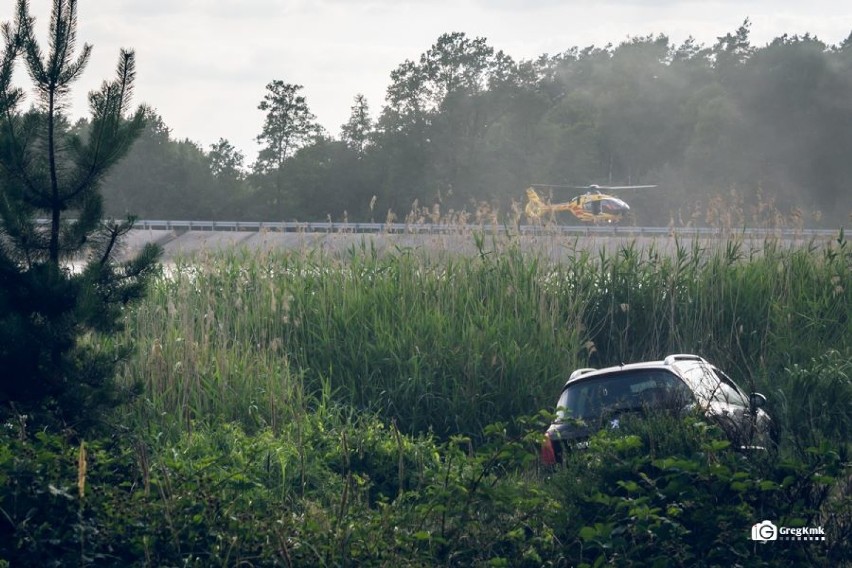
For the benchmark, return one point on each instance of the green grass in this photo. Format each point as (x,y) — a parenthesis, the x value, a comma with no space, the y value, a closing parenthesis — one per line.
(451,344)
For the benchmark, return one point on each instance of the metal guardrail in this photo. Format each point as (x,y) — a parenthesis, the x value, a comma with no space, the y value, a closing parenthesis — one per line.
(438,228)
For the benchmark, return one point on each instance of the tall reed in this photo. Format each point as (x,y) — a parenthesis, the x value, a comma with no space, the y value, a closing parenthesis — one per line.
(450,343)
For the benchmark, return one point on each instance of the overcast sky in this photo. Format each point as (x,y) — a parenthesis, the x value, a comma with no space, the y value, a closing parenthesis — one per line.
(204,64)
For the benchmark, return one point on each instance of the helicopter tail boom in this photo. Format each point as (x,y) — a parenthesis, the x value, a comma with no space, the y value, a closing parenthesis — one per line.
(537,208)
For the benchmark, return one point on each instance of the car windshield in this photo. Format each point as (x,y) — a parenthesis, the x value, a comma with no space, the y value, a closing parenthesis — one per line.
(590,398)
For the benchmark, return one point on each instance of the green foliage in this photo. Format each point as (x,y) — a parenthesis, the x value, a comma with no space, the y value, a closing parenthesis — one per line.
(666,492)
(289,125)
(451,344)
(51,368)
(814,399)
(334,488)
(305,409)
(55,512)
(755,309)
(356,132)
(183,183)
(328,490)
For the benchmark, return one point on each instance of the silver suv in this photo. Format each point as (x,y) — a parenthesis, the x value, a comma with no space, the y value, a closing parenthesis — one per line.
(594,399)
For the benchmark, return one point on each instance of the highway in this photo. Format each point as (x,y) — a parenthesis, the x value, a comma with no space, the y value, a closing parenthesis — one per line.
(184,238)
(488,229)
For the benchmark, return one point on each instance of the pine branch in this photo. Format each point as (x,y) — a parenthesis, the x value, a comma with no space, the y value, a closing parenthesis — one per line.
(108,107)
(29,45)
(114,233)
(18,164)
(126,76)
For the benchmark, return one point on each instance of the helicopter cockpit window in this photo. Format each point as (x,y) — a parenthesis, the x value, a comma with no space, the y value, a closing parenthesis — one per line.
(610,206)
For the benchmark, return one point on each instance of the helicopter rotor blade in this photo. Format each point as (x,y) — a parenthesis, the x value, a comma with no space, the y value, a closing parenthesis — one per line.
(551,185)
(620,187)
(592,187)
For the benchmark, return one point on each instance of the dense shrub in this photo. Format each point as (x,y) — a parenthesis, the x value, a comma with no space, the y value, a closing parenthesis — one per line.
(673,493)
(329,491)
(337,490)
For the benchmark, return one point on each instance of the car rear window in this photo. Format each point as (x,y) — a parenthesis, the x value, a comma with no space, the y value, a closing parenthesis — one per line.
(589,398)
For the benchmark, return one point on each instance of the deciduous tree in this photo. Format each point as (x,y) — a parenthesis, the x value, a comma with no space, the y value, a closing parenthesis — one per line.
(226,162)
(288,126)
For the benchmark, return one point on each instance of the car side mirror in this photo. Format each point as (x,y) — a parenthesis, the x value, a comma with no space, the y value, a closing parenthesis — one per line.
(757,400)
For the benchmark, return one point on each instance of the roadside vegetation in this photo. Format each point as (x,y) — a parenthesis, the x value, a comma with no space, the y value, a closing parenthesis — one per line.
(452,344)
(298,408)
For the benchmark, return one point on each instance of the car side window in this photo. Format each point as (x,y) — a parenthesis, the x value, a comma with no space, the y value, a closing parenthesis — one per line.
(727,392)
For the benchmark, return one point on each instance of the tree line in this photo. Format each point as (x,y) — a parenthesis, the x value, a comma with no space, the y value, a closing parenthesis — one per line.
(730,132)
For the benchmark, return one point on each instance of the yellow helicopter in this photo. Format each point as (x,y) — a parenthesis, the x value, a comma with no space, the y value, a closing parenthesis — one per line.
(590,207)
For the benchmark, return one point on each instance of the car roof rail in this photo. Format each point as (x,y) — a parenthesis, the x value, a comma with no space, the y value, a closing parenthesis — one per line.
(579,372)
(682,357)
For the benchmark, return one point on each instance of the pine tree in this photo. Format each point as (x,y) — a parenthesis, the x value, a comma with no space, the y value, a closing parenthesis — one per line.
(356,131)
(51,363)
